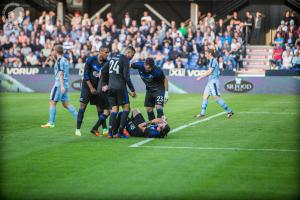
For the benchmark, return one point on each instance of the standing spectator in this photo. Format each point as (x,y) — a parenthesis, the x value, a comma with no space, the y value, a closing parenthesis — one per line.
(257,32)
(146,18)
(126,21)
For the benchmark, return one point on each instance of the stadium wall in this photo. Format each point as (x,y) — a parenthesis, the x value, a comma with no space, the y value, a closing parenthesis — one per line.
(181,81)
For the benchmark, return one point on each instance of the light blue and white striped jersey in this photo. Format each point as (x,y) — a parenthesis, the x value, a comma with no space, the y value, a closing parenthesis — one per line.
(62,64)
(213,63)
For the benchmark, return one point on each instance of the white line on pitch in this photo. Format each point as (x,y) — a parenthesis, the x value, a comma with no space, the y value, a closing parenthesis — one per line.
(223,149)
(179,129)
(270,113)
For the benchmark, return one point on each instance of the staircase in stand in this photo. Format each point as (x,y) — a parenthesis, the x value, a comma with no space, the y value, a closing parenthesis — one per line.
(257,60)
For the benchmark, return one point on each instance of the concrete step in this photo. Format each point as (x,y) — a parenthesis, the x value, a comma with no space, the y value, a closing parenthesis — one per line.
(251,66)
(259,51)
(256,63)
(256,60)
(251,70)
(259,47)
(258,57)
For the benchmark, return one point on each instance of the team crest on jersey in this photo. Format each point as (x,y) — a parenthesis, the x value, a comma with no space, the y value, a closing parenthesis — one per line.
(96,74)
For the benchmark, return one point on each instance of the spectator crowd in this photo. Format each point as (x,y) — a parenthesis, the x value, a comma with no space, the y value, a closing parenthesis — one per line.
(28,42)
(287,43)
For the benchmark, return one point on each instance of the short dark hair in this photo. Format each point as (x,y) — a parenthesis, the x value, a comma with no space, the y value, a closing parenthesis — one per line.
(130,48)
(164,132)
(149,61)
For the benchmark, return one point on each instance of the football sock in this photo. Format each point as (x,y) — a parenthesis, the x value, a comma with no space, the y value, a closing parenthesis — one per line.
(160,112)
(151,115)
(101,119)
(204,106)
(123,121)
(80,117)
(73,111)
(112,121)
(222,103)
(52,114)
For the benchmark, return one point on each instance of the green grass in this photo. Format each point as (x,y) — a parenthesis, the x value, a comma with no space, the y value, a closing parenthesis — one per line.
(54,164)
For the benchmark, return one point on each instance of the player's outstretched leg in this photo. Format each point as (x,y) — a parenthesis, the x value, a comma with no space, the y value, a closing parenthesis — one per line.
(70,108)
(222,103)
(80,118)
(52,114)
(150,113)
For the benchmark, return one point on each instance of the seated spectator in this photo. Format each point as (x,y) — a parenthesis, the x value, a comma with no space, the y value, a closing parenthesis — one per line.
(296,60)
(287,58)
(169,64)
(202,61)
(31,60)
(229,62)
(279,39)
(179,64)
(276,61)
(79,64)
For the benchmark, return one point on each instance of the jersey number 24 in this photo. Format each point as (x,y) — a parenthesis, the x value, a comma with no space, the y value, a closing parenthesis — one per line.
(114,66)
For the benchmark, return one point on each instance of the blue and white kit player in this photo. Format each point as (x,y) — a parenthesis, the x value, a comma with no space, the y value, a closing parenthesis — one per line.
(59,91)
(213,86)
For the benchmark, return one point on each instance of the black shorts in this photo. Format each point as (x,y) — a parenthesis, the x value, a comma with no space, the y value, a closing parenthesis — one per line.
(154,98)
(86,96)
(102,101)
(118,97)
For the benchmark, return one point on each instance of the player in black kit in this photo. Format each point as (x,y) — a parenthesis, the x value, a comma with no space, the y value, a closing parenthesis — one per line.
(89,94)
(156,87)
(116,78)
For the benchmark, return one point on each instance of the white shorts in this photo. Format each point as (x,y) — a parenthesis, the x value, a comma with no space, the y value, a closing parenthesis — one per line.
(212,88)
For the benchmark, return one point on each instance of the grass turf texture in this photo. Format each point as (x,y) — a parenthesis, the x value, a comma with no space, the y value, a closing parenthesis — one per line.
(41,163)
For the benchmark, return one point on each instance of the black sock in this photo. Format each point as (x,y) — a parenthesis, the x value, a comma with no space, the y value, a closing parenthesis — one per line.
(101,119)
(80,117)
(123,121)
(112,121)
(160,112)
(151,115)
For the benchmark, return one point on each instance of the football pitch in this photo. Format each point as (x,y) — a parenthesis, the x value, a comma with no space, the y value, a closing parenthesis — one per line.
(254,155)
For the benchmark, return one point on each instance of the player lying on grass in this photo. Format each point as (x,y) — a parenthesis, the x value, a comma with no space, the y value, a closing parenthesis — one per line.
(59,91)
(116,78)
(89,94)
(213,86)
(156,87)
(138,127)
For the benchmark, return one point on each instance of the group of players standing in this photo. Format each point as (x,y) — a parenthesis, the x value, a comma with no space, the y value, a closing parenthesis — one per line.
(105,85)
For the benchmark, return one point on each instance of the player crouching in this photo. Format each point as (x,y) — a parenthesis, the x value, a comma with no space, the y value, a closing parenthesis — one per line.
(138,127)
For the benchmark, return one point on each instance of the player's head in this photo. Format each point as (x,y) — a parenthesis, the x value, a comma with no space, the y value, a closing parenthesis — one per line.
(58,50)
(149,64)
(129,52)
(163,128)
(209,54)
(103,53)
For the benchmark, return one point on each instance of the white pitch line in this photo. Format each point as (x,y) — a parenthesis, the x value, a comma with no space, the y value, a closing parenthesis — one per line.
(270,113)
(178,129)
(223,149)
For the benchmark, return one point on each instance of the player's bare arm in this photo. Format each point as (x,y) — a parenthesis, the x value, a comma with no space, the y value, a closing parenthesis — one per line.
(61,81)
(166,84)
(205,74)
